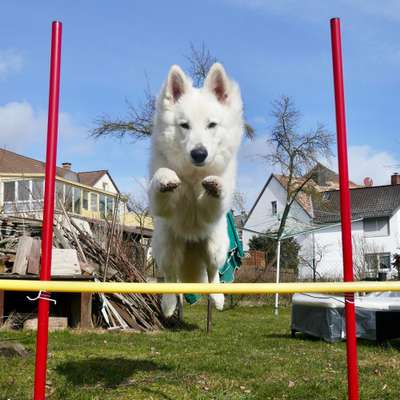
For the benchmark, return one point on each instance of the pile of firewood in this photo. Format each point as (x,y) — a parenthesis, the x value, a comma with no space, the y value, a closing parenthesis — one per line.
(12,229)
(103,261)
(118,310)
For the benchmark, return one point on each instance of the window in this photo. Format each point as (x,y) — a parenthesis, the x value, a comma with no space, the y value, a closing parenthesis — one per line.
(23,190)
(102,204)
(77,201)
(94,202)
(59,193)
(9,191)
(68,198)
(85,200)
(376,226)
(377,261)
(274,207)
(110,206)
(37,189)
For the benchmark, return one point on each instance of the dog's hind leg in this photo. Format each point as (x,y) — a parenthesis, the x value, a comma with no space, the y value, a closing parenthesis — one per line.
(217,250)
(217,298)
(169,301)
(168,254)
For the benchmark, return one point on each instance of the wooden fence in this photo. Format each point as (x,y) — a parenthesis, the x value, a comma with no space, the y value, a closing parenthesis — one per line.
(256,267)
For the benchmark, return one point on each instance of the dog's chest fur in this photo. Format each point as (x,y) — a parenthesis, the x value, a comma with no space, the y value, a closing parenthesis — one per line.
(188,220)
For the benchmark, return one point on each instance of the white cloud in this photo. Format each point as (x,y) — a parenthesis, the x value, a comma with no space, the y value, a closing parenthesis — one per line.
(259,120)
(309,10)
(254,149)
(20,125)
(390,9)
(73,138)
(364,162)
(11,61)
(320,10)
(253,169)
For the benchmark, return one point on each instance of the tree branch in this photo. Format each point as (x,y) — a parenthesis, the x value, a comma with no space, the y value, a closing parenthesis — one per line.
(139,121)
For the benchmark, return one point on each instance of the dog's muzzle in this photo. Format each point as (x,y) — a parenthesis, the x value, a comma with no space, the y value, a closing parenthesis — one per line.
(199,155)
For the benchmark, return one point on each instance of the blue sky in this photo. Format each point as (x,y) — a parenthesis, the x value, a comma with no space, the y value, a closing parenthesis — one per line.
(270,47)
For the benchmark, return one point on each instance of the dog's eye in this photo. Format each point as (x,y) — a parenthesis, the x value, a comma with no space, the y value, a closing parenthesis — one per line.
(184,125)
(211,125)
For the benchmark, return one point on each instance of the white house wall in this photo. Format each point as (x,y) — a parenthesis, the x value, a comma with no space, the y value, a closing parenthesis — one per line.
(261,217)
(328,243)
(105,183)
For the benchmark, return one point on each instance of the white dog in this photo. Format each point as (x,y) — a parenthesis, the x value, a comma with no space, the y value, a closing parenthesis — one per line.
(196,136)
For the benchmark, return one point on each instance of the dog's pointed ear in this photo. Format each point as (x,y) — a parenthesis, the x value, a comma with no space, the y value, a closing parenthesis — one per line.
(176,85)
(218,83)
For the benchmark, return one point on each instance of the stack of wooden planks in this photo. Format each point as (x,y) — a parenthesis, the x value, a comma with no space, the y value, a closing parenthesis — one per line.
(77,252)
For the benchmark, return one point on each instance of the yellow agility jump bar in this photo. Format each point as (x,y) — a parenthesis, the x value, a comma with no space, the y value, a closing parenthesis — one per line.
(198,288)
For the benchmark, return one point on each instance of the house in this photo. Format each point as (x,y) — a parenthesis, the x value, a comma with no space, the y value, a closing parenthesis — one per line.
(240,219)
(92,201)
(271,201)
(88,195)
(375,223)
(375,214)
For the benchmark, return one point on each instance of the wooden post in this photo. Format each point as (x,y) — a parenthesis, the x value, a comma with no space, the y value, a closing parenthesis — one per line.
(1,307)
(180,307)
(209,315)
(86,311)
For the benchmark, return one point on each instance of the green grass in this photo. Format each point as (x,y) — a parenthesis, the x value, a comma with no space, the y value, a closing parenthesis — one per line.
(249,355)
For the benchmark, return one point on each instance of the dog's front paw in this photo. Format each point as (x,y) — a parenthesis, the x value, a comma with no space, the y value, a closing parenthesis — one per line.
(213,186)
(166,180)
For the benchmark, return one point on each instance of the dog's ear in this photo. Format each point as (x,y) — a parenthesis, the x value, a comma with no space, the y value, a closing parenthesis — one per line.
(176,85)
(218,83)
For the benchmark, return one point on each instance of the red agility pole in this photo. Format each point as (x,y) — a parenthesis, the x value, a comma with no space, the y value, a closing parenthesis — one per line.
(345,209)
(48,211)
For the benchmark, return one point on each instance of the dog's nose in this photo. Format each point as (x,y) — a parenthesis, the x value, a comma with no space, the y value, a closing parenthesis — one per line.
(199,154)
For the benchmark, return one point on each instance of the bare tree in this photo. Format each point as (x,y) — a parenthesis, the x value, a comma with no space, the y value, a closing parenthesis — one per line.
(239,201)
(200,61)
(139,241)
(396,264)
(361,250)
(312,256)
(137,124)
(139,120)
(295,152)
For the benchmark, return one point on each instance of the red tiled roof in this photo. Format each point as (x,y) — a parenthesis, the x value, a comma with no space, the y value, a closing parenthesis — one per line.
(11,162)
(366,202)
(91,177)
(322,180)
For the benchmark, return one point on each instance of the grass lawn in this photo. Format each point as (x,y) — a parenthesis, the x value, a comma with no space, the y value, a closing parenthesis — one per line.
(249,355)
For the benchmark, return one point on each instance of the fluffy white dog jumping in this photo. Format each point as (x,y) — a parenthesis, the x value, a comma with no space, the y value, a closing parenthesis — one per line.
(195,140)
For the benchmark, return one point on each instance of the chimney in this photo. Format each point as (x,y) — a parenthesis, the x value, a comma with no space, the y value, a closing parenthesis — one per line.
(368,182)
(395,179)
(67,165)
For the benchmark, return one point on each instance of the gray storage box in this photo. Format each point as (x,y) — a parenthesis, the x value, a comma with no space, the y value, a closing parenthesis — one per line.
(322,316)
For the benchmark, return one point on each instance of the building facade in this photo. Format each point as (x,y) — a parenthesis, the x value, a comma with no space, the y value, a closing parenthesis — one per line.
(88,195)
(375,225)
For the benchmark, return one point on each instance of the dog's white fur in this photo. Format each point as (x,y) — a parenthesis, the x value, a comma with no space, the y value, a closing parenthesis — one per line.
(189,201)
